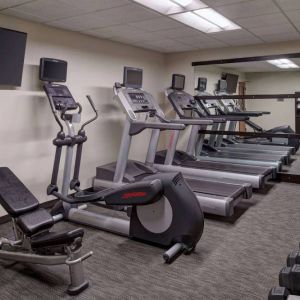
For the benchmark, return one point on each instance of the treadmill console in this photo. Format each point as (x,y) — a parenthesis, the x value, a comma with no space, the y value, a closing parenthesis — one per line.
(182,99)
(139,100)
(61,96)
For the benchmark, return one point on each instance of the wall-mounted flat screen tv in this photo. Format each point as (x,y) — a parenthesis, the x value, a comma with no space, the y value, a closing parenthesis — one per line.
(12,53)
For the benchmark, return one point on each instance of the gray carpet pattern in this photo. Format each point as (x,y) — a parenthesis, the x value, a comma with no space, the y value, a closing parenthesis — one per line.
(235,259)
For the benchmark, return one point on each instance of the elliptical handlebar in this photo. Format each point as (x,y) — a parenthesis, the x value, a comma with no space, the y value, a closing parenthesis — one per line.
(95,111)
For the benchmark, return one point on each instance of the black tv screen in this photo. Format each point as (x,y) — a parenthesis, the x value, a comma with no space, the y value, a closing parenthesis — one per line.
(133,77)
(178,82)
(12,53)
(232,82)
(53,70)
(202,83)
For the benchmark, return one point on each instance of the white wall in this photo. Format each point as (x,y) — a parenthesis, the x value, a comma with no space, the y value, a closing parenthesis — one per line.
(282,112)
(27,126)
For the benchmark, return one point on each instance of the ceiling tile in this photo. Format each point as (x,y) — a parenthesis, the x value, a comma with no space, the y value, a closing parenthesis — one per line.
(47,10)
(245,41)
(105,18)
(94,5)
(248,9)
(294,16)
(178,32)
(210,45)
(139,38)
(281,37)
(287,5)
(200,41)
(15,13)
(168,45)
(267,30)
(232,35)
(216,3)
(264,20)
(10,3)
(191,40)
(115,31)
(156,24)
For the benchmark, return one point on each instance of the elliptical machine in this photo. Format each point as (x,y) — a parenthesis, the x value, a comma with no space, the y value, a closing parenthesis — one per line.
(163,209)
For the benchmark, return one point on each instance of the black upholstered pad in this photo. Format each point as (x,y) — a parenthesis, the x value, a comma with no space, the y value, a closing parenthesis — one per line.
(35,221)
(15,198)
(56,238)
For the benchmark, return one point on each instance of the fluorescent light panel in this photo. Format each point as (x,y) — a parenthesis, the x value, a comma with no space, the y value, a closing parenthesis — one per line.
(193,13)
(164,7)
(192,20)
(214,17)
(183,3)
(283,63)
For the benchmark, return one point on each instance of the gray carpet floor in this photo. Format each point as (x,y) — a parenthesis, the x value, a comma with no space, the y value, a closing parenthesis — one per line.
(237,258)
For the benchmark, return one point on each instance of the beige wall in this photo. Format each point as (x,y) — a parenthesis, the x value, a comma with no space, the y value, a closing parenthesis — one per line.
(26,124)
(182,63)
(282,112)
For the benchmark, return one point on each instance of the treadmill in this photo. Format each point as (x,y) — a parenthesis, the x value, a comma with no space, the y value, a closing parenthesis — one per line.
(231,145)
(230,107)
(219,198)
(225,145)
(180,100)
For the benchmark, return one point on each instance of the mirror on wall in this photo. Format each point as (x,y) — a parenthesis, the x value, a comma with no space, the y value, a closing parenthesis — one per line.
(266,86)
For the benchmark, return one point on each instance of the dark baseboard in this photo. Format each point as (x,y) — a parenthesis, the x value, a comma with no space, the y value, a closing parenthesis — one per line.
(46,205)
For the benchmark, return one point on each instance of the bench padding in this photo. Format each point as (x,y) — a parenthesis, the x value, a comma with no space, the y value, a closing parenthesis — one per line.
(56,238)
(15,198)
(35,221)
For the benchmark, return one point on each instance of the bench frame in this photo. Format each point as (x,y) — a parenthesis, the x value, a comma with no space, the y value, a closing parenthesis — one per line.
(20,250)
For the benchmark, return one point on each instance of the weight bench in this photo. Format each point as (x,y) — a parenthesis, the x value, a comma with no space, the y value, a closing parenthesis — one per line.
(34,242)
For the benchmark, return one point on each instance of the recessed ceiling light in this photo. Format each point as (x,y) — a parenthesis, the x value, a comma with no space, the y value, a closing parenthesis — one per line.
(183,2)
(283,63)
(214,17)
(193,13)
(196,21)
(165,7)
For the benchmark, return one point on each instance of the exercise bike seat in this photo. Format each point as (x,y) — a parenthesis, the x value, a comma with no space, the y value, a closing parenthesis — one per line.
(56,238)
(15,198)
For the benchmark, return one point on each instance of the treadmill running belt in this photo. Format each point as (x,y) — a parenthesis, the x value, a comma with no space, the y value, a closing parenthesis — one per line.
(245,156)
(215,188)
(243,169)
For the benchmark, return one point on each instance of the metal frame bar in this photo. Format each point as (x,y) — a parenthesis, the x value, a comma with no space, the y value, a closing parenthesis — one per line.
(249,96)
(245,59)
(251,134)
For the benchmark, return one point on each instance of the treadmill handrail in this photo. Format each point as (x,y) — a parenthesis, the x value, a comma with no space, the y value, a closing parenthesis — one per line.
(245,113)
(204,121)
(138,126)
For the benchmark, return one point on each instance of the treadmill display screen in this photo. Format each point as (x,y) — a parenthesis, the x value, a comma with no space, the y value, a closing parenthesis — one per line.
(232,82)
(53,70)
(202,83)
(133,77)
(178,82)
